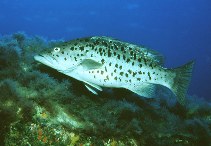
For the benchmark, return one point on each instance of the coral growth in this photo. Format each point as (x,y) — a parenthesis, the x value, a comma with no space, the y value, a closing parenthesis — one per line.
(39,106)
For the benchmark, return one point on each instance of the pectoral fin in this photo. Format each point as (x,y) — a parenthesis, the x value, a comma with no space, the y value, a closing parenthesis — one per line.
(67,71)
(145,89)
(89,64)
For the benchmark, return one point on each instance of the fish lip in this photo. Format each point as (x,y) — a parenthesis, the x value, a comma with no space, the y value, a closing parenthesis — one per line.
(41,57)
(45,59)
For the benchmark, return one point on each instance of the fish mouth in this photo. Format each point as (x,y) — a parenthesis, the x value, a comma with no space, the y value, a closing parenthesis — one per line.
(43,59)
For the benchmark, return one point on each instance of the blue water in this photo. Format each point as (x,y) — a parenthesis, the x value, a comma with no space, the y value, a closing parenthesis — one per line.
(179,29)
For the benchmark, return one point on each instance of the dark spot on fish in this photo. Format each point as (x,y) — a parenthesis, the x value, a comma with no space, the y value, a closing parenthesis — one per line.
(120,67)
(130,71)
(128,60)
(116,65)
(115,70)
(81,48)
(126,74)
(130,48)
(94,76)
(57,55)
(110,64)
(144,73)
(93,47)
(105,69)
(102,72)
(131,53)
(121,73)
(140,72)
(145,61)
(124,57)
(105,44)
(107,77)
(112,74)
(153,73)
(103,61)
(139,60)
(115,78)
(75,58)
(139,79)
(72,48)
(149,75)
(114,53)
(122,49)
(120,79)
(134,56)
(118,56)
(133,63)
(62,52)
(65,58)
(134,74)
(97,71)
(140,65)
(92,71)
(100,49)
(78,55)
(76,44)
(101,53)
(130,80)
(150,65)
(109,53)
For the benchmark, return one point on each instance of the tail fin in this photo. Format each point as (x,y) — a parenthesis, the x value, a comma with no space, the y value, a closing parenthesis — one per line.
(182,80)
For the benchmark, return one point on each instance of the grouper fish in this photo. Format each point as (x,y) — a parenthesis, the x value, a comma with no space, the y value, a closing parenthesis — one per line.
(106,62)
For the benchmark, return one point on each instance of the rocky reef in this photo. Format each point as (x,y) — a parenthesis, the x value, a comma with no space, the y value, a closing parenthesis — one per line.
(39,106)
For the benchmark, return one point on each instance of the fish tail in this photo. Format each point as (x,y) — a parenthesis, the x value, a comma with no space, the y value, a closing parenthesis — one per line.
(182,80)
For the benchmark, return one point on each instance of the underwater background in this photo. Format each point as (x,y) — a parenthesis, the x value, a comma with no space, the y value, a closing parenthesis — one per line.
(39,106)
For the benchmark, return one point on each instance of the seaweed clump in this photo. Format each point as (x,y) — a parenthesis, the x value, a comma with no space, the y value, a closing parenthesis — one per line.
(47,108)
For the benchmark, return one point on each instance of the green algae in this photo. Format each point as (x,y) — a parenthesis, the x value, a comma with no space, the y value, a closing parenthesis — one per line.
(39,106)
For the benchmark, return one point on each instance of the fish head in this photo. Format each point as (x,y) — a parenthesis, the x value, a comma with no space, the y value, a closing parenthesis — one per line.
(59,58)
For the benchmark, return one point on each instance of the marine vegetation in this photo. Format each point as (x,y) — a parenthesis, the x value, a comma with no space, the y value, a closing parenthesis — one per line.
(40,106)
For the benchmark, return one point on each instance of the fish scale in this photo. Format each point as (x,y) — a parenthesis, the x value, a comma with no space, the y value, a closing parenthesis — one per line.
(107,62)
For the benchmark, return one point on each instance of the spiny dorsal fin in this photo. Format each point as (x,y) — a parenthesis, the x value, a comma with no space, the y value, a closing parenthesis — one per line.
(141,51)
(154,55)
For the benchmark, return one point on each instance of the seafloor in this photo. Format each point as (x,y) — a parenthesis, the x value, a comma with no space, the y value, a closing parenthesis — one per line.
(39,106)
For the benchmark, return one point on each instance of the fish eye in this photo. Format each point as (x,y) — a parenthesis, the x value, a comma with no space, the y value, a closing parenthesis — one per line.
(56,49)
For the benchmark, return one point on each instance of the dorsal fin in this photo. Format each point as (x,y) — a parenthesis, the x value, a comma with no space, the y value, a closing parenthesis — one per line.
(141,51)
(154,55)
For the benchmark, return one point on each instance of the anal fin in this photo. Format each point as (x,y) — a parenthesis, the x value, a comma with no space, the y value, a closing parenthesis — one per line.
(147,90)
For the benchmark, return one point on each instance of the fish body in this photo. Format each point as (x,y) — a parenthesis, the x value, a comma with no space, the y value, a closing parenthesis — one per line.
(107,62)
